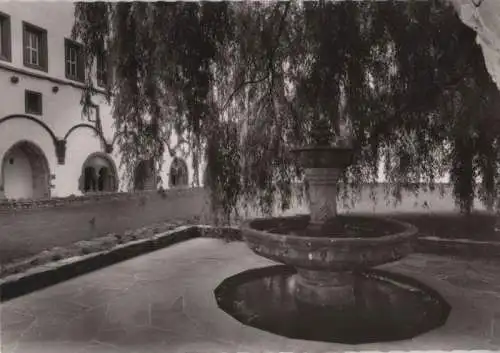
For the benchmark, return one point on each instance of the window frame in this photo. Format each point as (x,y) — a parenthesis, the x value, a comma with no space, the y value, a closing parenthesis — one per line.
(5,38)
(80,73)
(42,49)
(26,105)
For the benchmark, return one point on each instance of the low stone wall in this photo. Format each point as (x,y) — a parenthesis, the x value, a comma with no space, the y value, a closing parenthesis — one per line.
(27,227)
(426,201)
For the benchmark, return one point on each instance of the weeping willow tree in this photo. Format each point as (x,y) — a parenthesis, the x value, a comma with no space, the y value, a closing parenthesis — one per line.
(243,82)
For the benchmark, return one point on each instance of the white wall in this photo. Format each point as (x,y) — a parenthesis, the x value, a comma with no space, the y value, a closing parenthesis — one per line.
(55,17)
(61,110)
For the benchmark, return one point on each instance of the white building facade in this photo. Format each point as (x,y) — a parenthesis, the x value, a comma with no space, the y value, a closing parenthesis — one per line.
(47,148)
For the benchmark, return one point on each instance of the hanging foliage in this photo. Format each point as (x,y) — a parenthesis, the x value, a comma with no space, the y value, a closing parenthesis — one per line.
(244,82)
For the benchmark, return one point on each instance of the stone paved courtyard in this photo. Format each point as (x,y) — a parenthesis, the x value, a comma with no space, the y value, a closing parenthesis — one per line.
(164,302)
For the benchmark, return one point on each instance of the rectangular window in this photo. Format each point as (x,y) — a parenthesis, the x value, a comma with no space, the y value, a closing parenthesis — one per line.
(33,102)
(35,47)
(102,70)
(74,60)
(5,46)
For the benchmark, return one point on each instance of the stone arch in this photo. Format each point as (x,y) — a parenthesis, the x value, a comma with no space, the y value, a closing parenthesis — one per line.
(107,146)
(144,176)
(25,172)
(59,145)
(99,174)
(178,175)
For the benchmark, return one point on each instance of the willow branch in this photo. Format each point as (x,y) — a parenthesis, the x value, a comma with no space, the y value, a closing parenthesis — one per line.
(171,150)
(270,68)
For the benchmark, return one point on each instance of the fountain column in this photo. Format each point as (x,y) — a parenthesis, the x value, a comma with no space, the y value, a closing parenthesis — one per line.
(323,201)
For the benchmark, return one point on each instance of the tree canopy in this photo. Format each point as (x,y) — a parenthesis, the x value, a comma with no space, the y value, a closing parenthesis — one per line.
(246,81)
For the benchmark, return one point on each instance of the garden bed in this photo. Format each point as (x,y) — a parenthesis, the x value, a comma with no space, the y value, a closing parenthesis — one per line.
(85,247)
(108,243)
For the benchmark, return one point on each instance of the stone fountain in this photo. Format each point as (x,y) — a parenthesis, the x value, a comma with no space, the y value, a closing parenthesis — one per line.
(323,250)
(328,289)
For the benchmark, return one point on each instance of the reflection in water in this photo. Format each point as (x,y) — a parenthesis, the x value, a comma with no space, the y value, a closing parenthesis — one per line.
(383,310)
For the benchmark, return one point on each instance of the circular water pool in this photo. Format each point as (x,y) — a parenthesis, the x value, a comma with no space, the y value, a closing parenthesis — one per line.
(386,307)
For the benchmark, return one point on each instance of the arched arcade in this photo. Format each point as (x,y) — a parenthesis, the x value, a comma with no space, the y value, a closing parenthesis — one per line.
(98,174)
(25,172)
(144,176)
(178,175)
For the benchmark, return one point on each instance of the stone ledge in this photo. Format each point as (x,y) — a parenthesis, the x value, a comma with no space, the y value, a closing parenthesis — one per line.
(11,205)
(458,247)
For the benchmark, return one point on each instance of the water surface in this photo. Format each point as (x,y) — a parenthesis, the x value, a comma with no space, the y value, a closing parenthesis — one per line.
(386,307)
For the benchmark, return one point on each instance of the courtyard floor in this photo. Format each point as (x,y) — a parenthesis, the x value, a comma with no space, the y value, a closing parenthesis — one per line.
(164,302)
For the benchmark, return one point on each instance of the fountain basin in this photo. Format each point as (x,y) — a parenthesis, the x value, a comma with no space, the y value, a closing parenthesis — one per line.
(285,240)
(386,307)
(324,156)
(326,266)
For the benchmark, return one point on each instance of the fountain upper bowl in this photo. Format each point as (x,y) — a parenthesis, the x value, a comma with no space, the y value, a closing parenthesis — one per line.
(278,239)
(324,156)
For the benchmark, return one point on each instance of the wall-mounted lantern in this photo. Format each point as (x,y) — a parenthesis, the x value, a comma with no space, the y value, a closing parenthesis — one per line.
(55,89)
(108,147)
(14,79)
(60,151)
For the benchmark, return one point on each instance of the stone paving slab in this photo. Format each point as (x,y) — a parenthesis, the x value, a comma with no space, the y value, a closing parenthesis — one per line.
(164,302)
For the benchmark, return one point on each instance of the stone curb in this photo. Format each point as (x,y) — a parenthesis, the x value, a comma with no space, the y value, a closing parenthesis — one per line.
(458,247)
(55,272)
(52,273)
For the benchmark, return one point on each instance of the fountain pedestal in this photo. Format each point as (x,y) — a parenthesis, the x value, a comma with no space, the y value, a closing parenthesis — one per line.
(323,202)
(322,288)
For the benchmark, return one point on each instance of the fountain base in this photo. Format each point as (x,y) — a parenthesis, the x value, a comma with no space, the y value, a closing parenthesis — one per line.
(384,306)
(325,288)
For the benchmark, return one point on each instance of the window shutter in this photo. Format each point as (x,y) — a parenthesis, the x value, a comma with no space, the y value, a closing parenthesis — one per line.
(80,62)
(66,55)
(25,45)
(8,41)
(44,56)
(6,38)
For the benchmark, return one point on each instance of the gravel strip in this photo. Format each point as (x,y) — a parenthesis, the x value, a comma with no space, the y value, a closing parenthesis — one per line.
(86,247)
